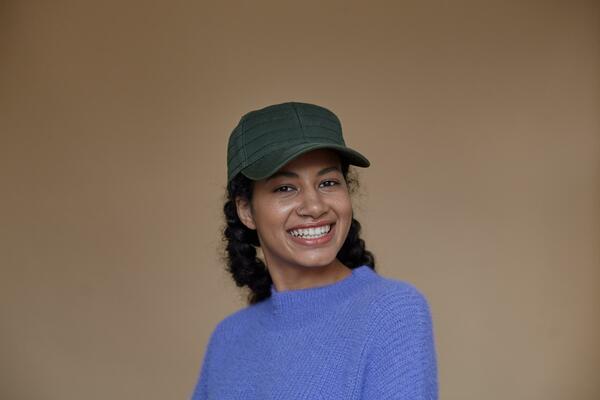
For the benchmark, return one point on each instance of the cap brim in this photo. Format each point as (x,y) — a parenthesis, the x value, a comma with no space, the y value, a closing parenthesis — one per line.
(272,162)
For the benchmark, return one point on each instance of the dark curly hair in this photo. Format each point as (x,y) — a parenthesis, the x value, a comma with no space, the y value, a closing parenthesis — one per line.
(241,242)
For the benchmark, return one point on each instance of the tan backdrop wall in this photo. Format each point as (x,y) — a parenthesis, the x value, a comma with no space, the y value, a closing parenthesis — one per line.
(480,118)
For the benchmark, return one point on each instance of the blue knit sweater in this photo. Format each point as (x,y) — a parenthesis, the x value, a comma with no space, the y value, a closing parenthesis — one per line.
(365,337)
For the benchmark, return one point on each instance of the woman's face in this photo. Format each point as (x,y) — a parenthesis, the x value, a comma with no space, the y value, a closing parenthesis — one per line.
(310,190)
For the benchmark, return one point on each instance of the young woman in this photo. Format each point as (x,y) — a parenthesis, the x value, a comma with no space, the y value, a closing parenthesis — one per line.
(320,322)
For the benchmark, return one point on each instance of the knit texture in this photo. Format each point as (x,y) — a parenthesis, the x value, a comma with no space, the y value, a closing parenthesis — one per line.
(365,337)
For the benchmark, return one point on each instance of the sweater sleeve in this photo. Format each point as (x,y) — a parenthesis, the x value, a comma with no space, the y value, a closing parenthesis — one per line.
(401,355)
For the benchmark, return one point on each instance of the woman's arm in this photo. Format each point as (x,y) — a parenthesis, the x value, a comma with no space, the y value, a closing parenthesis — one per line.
(201,388)
(201,391)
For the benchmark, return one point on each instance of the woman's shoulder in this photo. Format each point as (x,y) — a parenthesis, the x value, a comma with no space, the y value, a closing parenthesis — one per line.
(387,295)
(238,322)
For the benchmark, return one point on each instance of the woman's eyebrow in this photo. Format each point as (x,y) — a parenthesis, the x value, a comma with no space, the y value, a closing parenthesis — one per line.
(290,174)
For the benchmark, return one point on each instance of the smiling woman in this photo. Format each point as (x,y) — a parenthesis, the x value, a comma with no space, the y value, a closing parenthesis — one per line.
(302,216)
(320,322)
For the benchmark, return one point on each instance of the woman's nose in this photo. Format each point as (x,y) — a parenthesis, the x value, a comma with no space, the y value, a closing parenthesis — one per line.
(312,204)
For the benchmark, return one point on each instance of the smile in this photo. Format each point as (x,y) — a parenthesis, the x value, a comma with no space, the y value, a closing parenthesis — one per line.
(313,236)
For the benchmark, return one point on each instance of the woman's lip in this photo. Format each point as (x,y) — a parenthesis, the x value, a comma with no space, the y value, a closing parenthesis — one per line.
(313,242)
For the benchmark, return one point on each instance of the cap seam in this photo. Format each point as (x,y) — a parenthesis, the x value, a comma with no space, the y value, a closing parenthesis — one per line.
(267,121)
(284,129)
(327,117)
(299,120)
(311,122)
(245,160)
(266,133)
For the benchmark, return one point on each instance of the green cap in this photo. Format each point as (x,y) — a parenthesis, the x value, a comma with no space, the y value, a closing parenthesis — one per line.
(266,139)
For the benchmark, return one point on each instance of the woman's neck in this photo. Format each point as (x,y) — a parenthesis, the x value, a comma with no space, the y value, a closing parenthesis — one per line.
(300,277)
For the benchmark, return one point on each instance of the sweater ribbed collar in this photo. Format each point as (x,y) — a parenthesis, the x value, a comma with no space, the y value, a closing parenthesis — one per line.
(300,307)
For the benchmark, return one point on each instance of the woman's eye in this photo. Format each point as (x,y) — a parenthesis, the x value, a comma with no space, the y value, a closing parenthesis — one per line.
(282,187)
(332,183)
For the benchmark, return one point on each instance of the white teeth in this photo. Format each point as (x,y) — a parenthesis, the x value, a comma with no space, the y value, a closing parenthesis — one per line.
(311,233)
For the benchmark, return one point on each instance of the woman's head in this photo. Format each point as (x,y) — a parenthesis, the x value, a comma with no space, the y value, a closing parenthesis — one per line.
(277,187)
(309,191)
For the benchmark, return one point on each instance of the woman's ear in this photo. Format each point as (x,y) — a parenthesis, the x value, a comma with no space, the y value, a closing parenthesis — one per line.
(244,211)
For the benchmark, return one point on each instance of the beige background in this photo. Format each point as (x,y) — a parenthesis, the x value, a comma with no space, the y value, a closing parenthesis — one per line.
(480,119)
